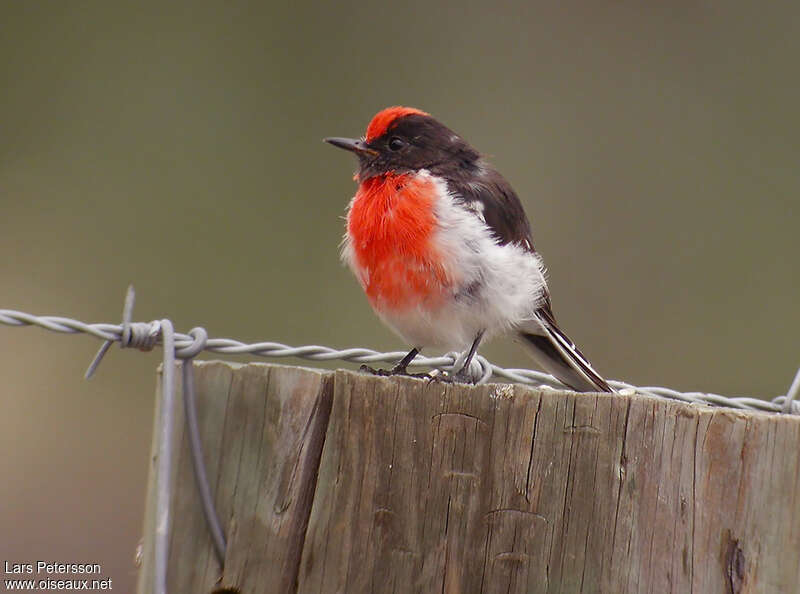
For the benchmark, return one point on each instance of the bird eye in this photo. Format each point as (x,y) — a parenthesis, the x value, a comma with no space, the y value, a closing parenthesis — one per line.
(395,143)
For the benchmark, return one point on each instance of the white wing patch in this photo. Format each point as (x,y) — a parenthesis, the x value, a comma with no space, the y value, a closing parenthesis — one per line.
(476,207)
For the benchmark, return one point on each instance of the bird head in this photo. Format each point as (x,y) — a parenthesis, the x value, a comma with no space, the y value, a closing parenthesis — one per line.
(405,139)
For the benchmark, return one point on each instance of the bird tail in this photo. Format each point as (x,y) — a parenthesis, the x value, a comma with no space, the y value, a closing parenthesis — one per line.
(557,354)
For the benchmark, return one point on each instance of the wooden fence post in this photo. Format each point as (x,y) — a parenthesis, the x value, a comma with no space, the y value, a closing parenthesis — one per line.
(340,482)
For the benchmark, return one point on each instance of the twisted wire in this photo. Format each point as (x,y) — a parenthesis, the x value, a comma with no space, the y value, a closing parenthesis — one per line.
(145,335)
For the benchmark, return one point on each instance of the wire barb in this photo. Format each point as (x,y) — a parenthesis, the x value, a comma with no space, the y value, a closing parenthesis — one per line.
(791,395)
(125,338)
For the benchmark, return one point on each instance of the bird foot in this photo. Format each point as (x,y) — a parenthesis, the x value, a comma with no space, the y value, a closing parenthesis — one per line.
(460,377)
(393,372)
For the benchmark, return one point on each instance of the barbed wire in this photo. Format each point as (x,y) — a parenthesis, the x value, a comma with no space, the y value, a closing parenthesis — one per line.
(146,335)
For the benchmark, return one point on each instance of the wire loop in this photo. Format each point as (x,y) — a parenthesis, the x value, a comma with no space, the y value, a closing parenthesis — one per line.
(198,344)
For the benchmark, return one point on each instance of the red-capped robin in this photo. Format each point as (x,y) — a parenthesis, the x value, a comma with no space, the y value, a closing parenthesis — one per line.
(441,245)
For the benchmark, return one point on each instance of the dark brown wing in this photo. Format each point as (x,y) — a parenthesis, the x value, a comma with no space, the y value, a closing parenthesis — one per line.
(494,198)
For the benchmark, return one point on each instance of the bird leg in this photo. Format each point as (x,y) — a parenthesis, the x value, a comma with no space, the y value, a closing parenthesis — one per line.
(462,376)
(400,369)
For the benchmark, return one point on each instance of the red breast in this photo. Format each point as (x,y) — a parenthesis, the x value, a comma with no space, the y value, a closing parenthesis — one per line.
(391,224)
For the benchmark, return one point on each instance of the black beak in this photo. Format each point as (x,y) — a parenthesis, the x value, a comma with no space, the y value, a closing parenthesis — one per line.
(357,146)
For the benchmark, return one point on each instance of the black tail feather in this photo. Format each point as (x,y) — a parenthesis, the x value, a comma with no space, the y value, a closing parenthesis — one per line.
(557,354)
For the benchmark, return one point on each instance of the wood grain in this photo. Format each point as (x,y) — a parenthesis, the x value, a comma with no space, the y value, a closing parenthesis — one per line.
(340,482)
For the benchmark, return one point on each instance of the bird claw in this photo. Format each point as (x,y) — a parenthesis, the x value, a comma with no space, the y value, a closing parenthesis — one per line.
(371,370)
(461,377)
(393,372)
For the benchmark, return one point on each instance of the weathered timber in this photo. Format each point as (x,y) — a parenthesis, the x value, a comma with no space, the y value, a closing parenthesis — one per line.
(340,482)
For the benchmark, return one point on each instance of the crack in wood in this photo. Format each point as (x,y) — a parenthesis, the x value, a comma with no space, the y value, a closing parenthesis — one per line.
(734,566)
(524,513)
(315,443)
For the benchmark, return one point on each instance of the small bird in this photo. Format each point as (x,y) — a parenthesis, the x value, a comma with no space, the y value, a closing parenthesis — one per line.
(441,245)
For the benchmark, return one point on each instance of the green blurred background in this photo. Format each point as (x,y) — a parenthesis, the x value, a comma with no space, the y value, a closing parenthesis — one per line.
(178,147)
